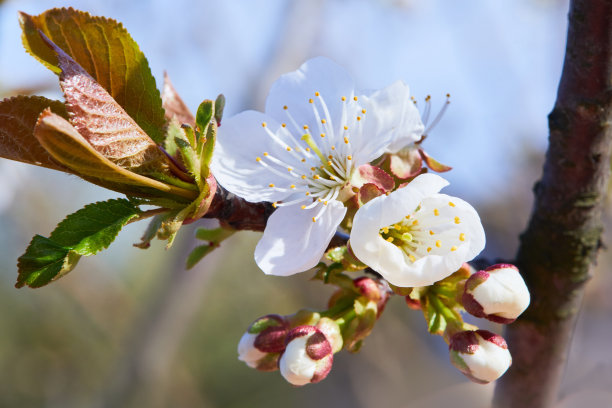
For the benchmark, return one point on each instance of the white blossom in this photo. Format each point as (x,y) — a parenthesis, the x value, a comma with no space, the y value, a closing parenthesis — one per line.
(308,356)
(302,152)
(416,236)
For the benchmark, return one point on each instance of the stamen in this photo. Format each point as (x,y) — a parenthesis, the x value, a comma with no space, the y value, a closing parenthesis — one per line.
(462,237)
(271,185)
(264,124)
(258,159)
(431,232)
(457,220)
(439,243)
(429,249)
(453,248)
(436,212)
(451,203)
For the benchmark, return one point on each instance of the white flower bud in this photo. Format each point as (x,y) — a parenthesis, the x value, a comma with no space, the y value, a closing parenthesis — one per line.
(497,293)
(261,345)
(481,355)
(307,357)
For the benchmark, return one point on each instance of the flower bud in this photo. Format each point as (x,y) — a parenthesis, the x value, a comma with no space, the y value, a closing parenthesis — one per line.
(481,355)
(332,332)
(497,293)
(261,345)
(373,290)
(307,357)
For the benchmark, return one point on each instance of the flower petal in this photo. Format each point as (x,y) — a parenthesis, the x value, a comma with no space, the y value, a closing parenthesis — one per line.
(292,242)
(242,139)
(390,115)
(295,89)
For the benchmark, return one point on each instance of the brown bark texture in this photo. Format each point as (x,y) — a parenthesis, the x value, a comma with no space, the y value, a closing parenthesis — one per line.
(560,245)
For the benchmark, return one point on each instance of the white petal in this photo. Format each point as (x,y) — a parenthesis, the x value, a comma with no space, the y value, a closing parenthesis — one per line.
(292,242)
(242,139)
(247,351)
(392,117)
(295,365)
(489,361)
(503,294)
(296,88)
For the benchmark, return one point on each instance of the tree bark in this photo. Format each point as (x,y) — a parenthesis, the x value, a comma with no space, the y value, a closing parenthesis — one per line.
(560,245)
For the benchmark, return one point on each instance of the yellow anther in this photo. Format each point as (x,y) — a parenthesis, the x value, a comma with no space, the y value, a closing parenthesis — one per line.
(415,222)
(314,219)
(333,147)
(412,258)
(408,216)
(354,98)
(324,202)
(275,204)
(303,160)
(288,148)
(349,157)
(431,232)
(289,168)
(264,124)
(436,212)
(320,199)
(457,220)
(358,118)
(451,203)
(283,124)
(265,153)
(429,249)
(330,157)
(329,163)
(316,93)
(313,168)
(346,140)
(285,107)
(316,177)
(448,95)
(307,149)
(271,185)
(438,243)
(292,186)
(453,248)
(323,121)
(310,100)
(343,98)
(390,239)
(322,134)
(303,207)
(462,237)
(308,193)
(258,159)
(345,127)
(385,230)
(363,111)
(305,127)
(303,177)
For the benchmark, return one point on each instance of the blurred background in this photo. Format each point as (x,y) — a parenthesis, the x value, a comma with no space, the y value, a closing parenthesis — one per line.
(132,328)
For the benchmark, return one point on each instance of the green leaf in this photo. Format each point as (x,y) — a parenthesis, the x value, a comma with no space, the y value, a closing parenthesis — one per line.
(94,227)
(198,253)
(69,148)
(219,107)
(204,115)
(213,235)
(43,262)
(105,49)
(85,232)
(18,116)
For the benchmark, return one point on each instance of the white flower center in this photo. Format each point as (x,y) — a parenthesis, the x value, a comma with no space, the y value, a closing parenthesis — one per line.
(316,163)
(434,228)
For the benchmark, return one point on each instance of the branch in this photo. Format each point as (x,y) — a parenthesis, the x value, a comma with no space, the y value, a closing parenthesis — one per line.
(560,246)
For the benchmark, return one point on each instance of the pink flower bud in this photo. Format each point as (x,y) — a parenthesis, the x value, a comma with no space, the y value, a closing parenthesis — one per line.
(481,355)
(373,290)
(263,342)
(307,357)
(498,294)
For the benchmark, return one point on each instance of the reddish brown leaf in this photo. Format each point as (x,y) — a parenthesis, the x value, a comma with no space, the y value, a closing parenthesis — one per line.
(102,121)
(105,49)
(434,164)
(174,105)
(18,118)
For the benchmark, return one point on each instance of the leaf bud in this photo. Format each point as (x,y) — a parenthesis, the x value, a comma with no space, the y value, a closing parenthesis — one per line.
(497,293)
(373,290)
